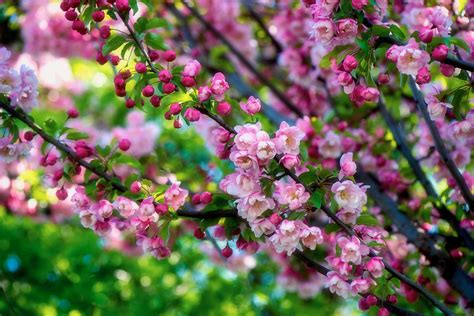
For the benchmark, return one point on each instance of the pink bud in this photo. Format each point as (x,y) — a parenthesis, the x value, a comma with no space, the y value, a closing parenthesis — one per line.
(188,81)
(192,115)
(363,305)
(447,70)
(122,5)
(371,300)
(124,144)
(155,101)
(383,312)
(440,52)
(199,234)
(129,103)
(206,197)
(61,194)
(140,68)
(177,123)
(359,4)
(104,32)
(426,35)
(392,299)
(175,108)
(345,79)
(98,16)
(423,76)
(73,113)
(383,78)
(196,199)
(169,55)
(70,15)
(29,135)
(204,93)
(135,187)
(58,174)
(148,91)
(227,252)
(349,63)
(154,55)
(275,219)
(168,88)
(224,108)
(161,209)
(164,76)
(114,59)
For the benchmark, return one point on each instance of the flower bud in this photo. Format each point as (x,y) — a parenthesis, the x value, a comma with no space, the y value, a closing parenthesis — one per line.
(73,113)
(155,101)
(440,52)
(175,108)
(192,115)
(426,35)
(169,55)
(61,194)
(124,144)
(168,88)
(349,63)
(140,68)
(129,103)
(135,187)
(224,108)
(148,91)
(206,197)
(227,252)
(164,76)
(98,16)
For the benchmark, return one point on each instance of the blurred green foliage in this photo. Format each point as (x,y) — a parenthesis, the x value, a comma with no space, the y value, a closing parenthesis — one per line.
(47,269)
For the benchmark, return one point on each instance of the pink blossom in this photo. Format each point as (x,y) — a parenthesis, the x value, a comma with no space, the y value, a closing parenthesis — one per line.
(347,28)
(191,69)
(125,206)
(104,209)
(324,8)
(348,166)
(254,205)
(252,106)
(239,184)
(247,136)
(9,80)
(147,208)
(287,237)
(375,266)
(330,146)
(348,215)
(88,219)
(359,4)
(361,285)
(337,284)
(352,249)
(349,195)
(437,110)
(80,199)
(219,85)
(311,236)
(292,194)
(204,93)
(287,139)
(411,58)
(244,160)
(343,268)
(290,161)
(262,226)
(323,30)
(175,196)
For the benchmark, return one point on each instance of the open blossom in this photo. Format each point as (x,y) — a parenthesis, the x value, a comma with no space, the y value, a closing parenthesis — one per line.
(337,284)
(287,139)
(103,209)
(175,196)
(293,194)
(324,8)
(409,58)
(254,205)
(244,160)
(11,152)
(287,237)
(9,80)
(239,184)
(361,285)
(348,166)
(352,249)
(265,151)
(347,28)
(343,268)
(290,161)
(26,95)
(323,30)
(247,135)
(330,146)
(348,215)
(438,109)
(375,266)
(349,195)
(311,236)
(252,106)
(262,226)
(125,206)
(88,219)
(147,208)
(80,198)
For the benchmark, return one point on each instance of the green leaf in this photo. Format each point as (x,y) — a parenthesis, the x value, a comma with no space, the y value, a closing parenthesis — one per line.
(175,97)
(114,42)
(368,220)
(398,32)
(128,160)
(296,216)
(380,30)
(316,198)
(157,23)
(77,135)
(155,41)
(331,228)
(458,42)
(134,5)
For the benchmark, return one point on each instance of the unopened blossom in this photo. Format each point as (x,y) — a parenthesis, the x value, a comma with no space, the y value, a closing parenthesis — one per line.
(337,284)
(219,86)
(349,195)
(290,161)
(125,206)
(191,69)
(287,237)
(252,106)
(375,266)
(175,196)
(348,166)
(254,205)
(292,194)
(352,249)
(288,138)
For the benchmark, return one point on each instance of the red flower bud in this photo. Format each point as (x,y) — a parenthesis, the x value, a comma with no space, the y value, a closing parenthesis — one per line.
(124,144)
(29,135)
(98,16)
(440,52)
(227,252)
(169,55)
(71,15)
(155,101)
(140,68)
(73,113)
(148,91)
(199,234)
(61,194)
(224,108)
(168,88)
(175,108)
(130,103)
